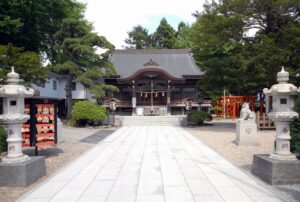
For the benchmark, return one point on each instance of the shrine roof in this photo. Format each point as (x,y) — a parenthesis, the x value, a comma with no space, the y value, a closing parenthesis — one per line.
(177,62)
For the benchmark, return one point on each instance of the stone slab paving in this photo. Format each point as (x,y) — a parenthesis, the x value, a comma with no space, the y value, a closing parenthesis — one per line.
(151,163)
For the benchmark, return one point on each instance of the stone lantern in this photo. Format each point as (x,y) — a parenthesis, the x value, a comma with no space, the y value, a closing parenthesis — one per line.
(13,116)
(283,95)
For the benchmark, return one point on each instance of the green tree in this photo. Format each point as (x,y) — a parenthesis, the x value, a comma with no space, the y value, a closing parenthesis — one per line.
(183,36)
(138,38)
(76,47)
(26,63)
(237,60)
(31,24)
(164,36)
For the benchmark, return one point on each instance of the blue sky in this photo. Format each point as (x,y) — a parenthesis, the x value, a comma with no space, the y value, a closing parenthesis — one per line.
(114,18)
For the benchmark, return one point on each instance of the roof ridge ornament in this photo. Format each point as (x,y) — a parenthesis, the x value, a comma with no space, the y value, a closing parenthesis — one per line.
(151,63)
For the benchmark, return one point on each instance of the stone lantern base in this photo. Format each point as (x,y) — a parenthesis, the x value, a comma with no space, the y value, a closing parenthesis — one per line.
(22,174)
(15,159)
(290,157)
(274,171)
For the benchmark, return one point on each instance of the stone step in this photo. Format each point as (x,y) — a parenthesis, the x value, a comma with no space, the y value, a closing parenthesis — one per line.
(150,120)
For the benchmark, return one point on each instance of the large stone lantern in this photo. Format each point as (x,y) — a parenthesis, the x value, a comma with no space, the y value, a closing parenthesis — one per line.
(283,95)
(13,116)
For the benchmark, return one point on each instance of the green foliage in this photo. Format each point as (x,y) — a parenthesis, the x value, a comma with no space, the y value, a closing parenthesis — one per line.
(164,37)
(26,63)
(295,130)
(236,60)
(32,24)
(85,111)
(198,117)
(3,136)
(138,38)
(98,90)
(183,36)
(76,46)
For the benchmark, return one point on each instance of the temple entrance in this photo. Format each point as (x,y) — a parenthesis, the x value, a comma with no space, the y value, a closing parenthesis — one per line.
(151,95)
(151,92)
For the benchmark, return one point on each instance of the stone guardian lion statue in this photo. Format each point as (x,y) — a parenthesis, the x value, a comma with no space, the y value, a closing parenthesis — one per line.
(246,114)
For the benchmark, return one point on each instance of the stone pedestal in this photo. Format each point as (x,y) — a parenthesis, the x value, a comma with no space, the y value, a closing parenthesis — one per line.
(246,133)
(276,172)
(22,174)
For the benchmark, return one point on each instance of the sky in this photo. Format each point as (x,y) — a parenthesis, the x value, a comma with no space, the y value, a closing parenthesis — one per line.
(114,18)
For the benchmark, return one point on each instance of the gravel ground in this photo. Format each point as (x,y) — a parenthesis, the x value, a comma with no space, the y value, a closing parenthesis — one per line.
(56,158)
(220,137)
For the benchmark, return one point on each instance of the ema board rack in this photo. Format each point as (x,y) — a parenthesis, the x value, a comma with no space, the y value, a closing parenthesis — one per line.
(40,131)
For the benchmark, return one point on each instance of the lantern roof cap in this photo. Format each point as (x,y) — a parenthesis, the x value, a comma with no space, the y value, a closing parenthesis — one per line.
(13,88)
(283,76)
(283,87)
(13,77)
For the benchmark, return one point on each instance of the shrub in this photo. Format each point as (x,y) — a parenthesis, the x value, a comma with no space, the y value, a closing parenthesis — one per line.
(295,130)
(85,112)
(198,117)
(3,144)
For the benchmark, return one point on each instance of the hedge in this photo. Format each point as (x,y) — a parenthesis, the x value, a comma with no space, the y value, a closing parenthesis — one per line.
(3,144)
(85,112)
(198,117)
(295,130)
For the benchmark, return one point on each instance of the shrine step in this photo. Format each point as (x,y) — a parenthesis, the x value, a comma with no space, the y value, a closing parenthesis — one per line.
(151,120)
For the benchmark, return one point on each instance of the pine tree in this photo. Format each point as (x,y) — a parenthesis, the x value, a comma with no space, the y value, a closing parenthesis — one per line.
(164,37)
(138,38)
(77,60)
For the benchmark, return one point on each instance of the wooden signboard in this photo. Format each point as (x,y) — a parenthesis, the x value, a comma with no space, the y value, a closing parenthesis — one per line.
(40,131)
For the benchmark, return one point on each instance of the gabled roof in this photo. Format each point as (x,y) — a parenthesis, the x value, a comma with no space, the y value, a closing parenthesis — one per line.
(177,62)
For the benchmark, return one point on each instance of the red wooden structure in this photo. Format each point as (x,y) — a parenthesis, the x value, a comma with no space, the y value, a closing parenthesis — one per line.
(233,105)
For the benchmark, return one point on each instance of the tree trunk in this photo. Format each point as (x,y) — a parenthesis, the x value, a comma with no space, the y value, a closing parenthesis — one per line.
(68,90)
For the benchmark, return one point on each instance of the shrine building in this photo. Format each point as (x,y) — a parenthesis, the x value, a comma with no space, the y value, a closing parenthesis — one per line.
(154,81)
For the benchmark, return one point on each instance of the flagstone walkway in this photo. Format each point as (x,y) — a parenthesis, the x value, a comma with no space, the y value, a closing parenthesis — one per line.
(150,163)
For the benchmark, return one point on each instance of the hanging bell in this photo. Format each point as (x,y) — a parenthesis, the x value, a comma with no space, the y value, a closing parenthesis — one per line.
(163,94)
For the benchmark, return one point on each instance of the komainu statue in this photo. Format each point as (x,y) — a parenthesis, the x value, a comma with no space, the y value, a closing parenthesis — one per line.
(246,113)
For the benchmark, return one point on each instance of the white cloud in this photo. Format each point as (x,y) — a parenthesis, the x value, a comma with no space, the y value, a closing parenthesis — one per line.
(114,18)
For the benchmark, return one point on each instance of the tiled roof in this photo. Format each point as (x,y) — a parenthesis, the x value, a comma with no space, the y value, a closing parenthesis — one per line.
(177,62)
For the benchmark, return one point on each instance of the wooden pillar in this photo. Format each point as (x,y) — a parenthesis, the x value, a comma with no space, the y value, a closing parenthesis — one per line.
(151,97)
(181,96)
(169,98)
(226,106)
(234,110)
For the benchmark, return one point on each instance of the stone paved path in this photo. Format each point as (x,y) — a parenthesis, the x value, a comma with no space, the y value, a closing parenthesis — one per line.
(150,164)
